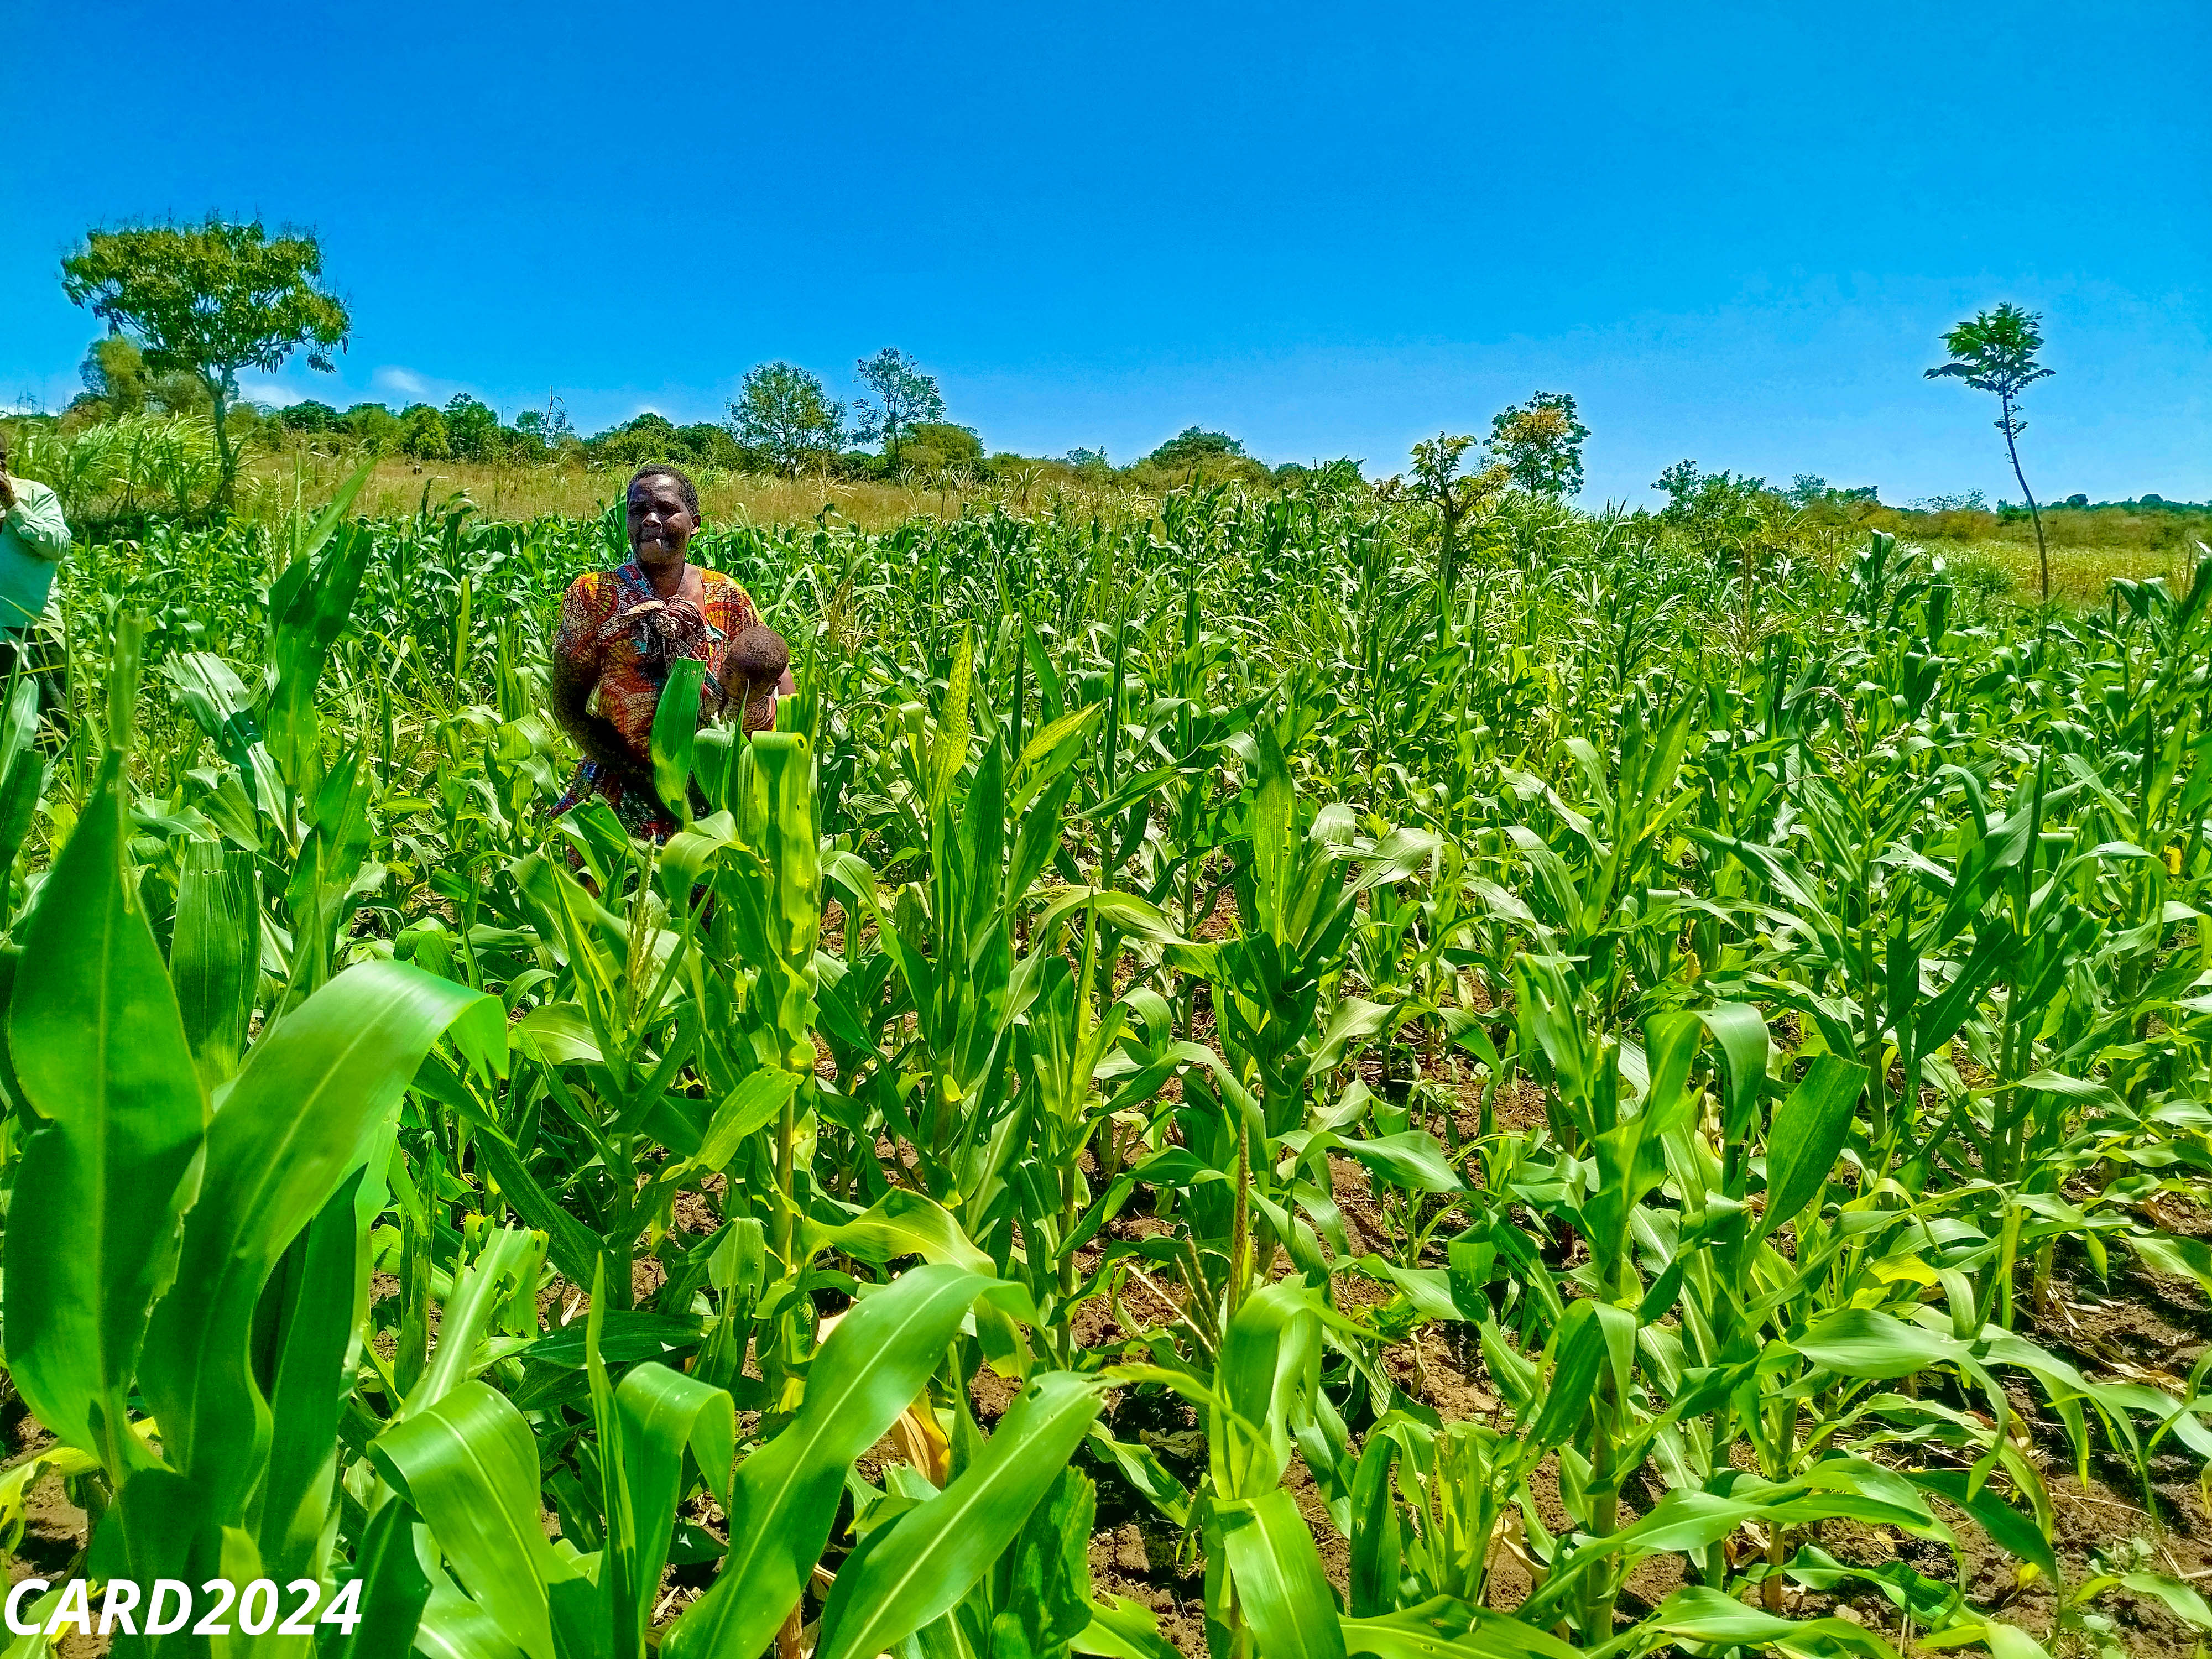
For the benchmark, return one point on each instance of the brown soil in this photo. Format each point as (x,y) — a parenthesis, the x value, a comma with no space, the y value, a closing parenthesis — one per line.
(54,1527)
(2133,1325)
(2136,1327)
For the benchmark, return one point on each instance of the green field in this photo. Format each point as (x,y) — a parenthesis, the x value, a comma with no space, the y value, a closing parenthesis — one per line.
(1221,1083)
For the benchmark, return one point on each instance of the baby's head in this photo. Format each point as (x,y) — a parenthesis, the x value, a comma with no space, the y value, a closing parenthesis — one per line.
(757,659)
(758,656)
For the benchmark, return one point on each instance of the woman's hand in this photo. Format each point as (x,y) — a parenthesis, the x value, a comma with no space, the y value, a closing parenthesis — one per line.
(595,734)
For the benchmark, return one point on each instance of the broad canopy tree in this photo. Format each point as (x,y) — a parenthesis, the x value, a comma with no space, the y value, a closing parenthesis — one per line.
(211,299)
(423,433)
(785,411)
(1539,443)
(471,428)
(1195,444)
(116,378)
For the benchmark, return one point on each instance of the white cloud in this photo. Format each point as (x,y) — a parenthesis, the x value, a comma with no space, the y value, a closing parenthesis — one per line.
(393,383)
(405,382)
(271,394)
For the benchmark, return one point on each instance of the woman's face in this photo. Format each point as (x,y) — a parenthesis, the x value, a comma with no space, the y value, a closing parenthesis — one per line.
(660,525)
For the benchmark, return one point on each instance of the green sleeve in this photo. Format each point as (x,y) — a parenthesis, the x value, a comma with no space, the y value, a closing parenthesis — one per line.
(36,518)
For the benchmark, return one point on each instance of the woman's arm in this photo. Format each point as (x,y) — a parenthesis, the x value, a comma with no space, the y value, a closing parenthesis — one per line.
(35,516)
(575,654)
(595,734)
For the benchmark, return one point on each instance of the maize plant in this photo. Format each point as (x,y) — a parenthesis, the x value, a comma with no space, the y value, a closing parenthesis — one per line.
(1213,1086)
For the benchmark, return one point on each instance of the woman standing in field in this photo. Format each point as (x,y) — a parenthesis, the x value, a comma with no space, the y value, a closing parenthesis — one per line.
(620,631)
(32,541)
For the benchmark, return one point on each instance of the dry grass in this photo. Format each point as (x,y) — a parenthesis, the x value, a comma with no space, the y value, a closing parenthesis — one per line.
(271,484)
(2081,569)
(2079,575)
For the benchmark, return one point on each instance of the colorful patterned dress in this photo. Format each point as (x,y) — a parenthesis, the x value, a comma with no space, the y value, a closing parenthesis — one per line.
(621,636)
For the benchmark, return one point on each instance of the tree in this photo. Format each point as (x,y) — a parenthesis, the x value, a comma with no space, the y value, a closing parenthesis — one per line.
(905,397)
(787,413)
(1194,444)
(706,443)
(375,426)
(309,416)
(211,299)
(116,381)
(471,428)
(1540,443)
(548,428)
(1811,490)
(423,433)
(1717,510)
(1436,480)
(650,436)
(934,446)
(647,435)
(114,371)
(1996,352)
(1967,501)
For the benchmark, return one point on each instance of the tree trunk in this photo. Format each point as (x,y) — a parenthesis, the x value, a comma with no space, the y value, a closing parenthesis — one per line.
(2034,512)
(225,462)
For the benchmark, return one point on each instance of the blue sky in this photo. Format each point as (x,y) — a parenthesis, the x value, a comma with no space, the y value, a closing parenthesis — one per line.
(1734,232)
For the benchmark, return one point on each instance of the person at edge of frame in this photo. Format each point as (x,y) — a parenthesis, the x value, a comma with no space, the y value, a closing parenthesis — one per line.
(34,540)
(621,630)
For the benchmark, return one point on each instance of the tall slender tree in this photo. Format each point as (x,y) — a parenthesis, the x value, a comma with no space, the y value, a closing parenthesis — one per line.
(1437,481)
(211,299)
(1995,352)
(905,398)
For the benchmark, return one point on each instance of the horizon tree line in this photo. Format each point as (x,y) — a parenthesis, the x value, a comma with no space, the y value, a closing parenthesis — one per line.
(190,307)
